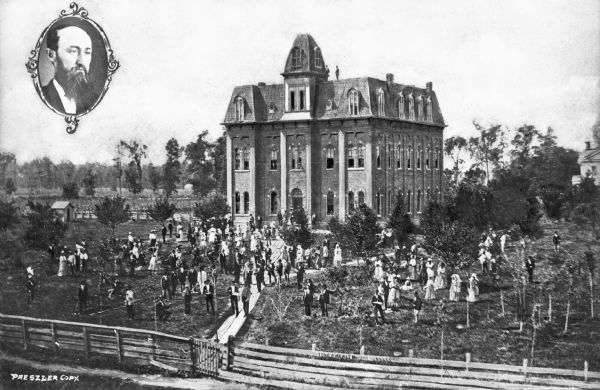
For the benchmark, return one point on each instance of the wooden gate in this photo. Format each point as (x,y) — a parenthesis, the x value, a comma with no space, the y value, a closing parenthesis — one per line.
(207,355)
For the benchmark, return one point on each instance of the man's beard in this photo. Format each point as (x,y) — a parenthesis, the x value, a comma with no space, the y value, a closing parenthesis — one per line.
(78,87)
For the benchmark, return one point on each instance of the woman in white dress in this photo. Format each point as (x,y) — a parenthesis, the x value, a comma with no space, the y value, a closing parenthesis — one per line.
(430,271)
(62,264)
(473,289)
(412,268)
(253,243)
(455,288)
(378,275)
(152,265)
(337,256)
(429,290)
(440,279)
(394,295)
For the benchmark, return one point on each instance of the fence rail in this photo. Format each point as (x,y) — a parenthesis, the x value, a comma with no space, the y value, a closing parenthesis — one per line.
(297,368)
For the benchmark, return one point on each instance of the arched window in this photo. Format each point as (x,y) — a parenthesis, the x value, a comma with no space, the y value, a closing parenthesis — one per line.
(273,158)
(389,155)
(330,203)
(350,201)
(274,203)
(351,156)
(297,58)
(239,109)
(429,110)
(401,108)
(378,202)
(378,154)
(237,203)
(318,58)
(237,159)
(411,107)
(361,197)
(299,162)
(436,161)
(419,152)
(399,156)
(330,156)
(297,199)
(408,201)
(246,158)
(246,203)
(361,155)
(420,116)
(353,102)
(409,158)
(427,155)
(381,102)
(418,201)
(294,157)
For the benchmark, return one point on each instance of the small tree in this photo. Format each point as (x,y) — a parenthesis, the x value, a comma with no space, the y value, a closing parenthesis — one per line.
(89,183)
(112,212)
(154,178)
(108,249)
(214,207)
(70,190)
(172,168)
(44,225)
(343,278)
(298,232)
(400,221)
(161,210)
(10,187)
(363,229)
(8,216)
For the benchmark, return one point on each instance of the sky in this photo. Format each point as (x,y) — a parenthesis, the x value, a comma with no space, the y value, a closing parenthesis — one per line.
(507,62)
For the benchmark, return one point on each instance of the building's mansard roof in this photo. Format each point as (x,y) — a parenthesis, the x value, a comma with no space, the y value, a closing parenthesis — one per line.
(265,103)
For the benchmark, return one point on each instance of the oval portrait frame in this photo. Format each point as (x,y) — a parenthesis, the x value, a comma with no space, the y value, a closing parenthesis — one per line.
(33,64)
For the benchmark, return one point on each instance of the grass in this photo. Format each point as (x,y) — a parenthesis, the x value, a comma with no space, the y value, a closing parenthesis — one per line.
(491,338)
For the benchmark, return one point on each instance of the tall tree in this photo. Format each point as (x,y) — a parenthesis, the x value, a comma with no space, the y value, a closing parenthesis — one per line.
(400,222)
(162,210)
(44,225)
(154,177)
(112,212)
(199,164)
(8,216)
(487,148)
(454,148)
(10,186)
(89,183)
(219,157)
(6,159)
(118,164)
(363,230)
(172,168)
(137,151)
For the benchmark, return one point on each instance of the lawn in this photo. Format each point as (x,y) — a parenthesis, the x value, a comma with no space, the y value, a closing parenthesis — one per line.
(491,337)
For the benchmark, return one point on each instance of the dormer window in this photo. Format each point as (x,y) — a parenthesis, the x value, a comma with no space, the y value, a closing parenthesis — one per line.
(429,110)
(297,58)
(411,107)
(239,109)
(353,102)
(401,107)
(381,102)
(318,58)
(420,116)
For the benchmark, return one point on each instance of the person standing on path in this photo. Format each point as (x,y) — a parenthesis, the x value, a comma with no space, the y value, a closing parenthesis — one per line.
(82,296)
(163,232)
(246,299)
(530,265)
(187,301)
(556,241)
(417,305)
(307,298)
(300,276)
(30,289)
(324,299)
(378,301)
(165,284)
(209,292)
(234,293)
(129,303)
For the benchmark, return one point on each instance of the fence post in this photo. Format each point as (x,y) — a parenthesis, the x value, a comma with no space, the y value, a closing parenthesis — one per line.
(230,341)
(411,353)
(362,349)
(525,368)
(119,352)
(585,371)
(193,355)
(86,342)
(53,330)
(467,360)
(24,328)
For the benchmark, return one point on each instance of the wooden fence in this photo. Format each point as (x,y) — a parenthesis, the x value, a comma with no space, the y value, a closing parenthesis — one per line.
(135,346)
(134,214)
(277,366)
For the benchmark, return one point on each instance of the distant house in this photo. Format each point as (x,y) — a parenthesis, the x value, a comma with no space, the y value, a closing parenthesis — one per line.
(589,159)
(64,209)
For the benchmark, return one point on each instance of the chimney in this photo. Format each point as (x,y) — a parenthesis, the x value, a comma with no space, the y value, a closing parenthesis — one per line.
(429,86)
(389,77)
(587,145)
(261,84)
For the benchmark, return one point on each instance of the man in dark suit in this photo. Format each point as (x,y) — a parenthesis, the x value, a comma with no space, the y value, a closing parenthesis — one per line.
(30,289)
(377,300)
(530,265)
(324,299)
(82,295)
(162,314)
(165,284)
(307,298)
(69,50)
(234,293)
(209,291)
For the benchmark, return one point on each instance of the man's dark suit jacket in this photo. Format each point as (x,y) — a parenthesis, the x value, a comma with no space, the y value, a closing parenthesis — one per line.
(53,98)
(82,293)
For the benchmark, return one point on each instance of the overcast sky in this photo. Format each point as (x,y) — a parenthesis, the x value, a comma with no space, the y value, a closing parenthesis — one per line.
(509,62)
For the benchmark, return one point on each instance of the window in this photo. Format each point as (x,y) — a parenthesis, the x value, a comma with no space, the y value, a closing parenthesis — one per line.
(246,203)
(408,158)
(350,201)
(237,159)
(399,156)
(296,199)
(429,110)
(381,102)
(361,197)
(419,201)
(436,163)
(329,154)
(301,99)
(292,100)
(299,157)
(401,107)
(237,203)
(330,203)
(408,201)
(419,158)
(427,154)
(245,156)
(377,152)
(297,58)
(318,58)
(361,155)
(378,202)
(389,203)
(389,156)
(297,98)
(274,203)
(351,156)
(411,107)
(239,109)
(296,157)
(353,102)
(273,159)
(420,109)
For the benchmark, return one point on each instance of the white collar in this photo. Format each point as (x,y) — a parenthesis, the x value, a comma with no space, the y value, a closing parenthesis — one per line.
(69,104)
